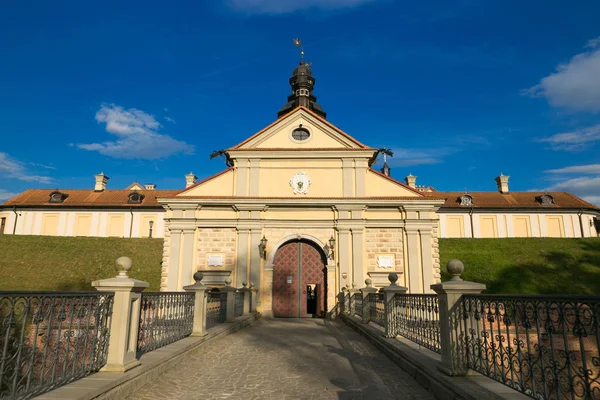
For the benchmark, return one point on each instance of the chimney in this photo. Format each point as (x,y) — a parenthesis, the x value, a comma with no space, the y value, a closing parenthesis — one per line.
(502,182)
(150,186)
(386,170)
(101,180)
(190,179)
(411,181)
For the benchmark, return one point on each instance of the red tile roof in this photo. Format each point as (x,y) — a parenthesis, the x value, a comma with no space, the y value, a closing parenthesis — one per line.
(89,198)
(512,200)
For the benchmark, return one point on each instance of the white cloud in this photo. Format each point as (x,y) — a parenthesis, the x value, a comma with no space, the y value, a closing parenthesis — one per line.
(575,140)
(405,157)
(584,187)
(171,120)
(137,134)
(4,195)
(14,168)
(595,200)
(288,6)
(574,85)
(577,169)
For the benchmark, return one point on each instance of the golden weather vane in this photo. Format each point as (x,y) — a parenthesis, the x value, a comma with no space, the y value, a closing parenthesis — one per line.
(298,43)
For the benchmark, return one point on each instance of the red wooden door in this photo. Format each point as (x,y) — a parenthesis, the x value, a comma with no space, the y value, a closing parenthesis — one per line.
(296,265)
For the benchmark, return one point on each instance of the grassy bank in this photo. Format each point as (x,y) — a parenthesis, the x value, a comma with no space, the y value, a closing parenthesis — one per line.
(71,263)
(533,265)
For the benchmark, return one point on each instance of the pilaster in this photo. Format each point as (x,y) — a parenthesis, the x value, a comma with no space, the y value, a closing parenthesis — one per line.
(344,257)
(241,273)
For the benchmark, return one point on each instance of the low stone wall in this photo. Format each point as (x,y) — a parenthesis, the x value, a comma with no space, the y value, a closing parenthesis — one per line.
(422,363)
(117,386)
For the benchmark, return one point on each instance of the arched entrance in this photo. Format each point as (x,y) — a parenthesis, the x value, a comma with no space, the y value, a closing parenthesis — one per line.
(299,280)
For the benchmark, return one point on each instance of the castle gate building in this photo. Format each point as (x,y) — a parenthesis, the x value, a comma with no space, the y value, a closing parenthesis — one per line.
(300,215)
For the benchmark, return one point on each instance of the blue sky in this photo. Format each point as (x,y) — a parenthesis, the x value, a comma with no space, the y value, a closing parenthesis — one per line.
(144,91)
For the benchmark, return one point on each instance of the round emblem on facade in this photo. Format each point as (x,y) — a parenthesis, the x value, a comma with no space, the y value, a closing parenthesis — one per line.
(300,183)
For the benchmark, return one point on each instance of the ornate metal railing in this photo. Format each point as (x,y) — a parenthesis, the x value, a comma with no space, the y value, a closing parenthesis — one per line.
(357,304)
(48,339)
(165,317)
(239,304)
(417,318)
(376,309)
(216,308)
(544,346)
(347,305)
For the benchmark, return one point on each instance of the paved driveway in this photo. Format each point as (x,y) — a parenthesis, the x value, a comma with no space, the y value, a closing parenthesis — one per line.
(287,359)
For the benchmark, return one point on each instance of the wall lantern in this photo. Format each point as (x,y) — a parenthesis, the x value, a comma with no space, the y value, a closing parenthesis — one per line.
(262,248)
(332,247)
(151,223)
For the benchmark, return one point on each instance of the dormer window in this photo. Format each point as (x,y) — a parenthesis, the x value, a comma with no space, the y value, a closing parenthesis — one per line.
(57,197)
(546,199)
(466,200)
(135,198)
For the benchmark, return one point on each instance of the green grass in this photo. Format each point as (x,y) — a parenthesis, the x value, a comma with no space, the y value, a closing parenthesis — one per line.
(532,266)
(72,263)
(535,266)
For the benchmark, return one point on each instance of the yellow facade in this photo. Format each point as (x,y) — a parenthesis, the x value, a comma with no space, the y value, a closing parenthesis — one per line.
(116,224)
(83,224)
(488,226)
(554,226)
(455,226)
(49,224)
(522,226)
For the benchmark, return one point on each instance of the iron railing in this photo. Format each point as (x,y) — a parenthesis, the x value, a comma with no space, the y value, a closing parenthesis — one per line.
(357,304)
(216,308)
(376,309)
(165,317)
(48,339)
(239,304)
(544,346)
(417,318)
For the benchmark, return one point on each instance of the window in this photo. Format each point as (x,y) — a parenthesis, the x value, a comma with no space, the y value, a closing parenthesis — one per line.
(546,199)
(2,225)
(300,134)
(466,200)
(57,197)
(135,198)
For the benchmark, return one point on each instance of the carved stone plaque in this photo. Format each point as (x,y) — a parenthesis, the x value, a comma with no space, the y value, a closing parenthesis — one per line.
(215,260)
(385,261)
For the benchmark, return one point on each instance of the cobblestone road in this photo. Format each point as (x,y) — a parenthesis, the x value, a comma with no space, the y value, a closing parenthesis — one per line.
(287,359)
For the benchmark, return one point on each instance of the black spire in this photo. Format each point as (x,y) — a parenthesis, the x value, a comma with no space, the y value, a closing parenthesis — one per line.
(302,83)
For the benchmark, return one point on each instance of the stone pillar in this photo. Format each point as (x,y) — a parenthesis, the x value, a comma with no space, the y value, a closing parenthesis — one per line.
(427,260)
(200,304)
(247,298)
(358,274)
(230,316)
(187,259)
(413,269)
(366,291)
(255,260)
(242,257)
(389,292)
(342,301)
(125,319)
(452,323)
(173,275)
(344,253)
(253,297)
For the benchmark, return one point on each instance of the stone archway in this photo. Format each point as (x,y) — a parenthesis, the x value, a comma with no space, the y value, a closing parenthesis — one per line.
(299,280)
(273,279)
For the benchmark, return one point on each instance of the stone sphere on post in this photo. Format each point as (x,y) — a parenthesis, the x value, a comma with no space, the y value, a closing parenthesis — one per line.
(393,278)
(368,282)
(198,276)
(228,281)
(455,268)
(244,284)
(123,266)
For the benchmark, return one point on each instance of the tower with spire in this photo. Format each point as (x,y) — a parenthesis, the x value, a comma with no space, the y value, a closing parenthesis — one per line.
(302,83)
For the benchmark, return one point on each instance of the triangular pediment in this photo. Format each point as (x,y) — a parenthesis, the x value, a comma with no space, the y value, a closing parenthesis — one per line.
(319,134)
